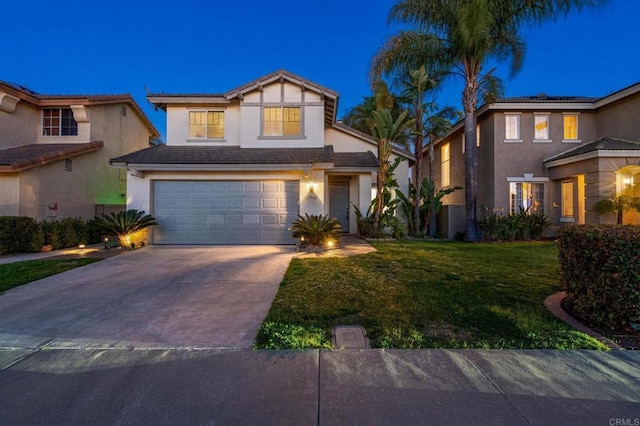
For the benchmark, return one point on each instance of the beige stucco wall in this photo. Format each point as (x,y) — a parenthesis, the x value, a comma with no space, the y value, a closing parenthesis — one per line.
(9,194)
(620,119)
(121,135)
(20,127)
(53,184)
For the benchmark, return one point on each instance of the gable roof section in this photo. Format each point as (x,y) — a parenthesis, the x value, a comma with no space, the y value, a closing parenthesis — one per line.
(44,101)
(603,147)
(348,160)
(330,97)
(26,157)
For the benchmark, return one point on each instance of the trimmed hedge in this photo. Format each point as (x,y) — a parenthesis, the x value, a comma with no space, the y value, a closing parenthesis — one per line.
(20,235)
(600,265)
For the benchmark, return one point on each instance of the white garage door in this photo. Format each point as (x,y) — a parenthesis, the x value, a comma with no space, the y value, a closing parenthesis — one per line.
(224,212)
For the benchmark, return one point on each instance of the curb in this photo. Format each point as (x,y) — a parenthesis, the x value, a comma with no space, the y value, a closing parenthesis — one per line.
(552,303)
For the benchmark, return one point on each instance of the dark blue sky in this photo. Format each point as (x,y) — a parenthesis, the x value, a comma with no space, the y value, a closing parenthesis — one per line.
(212,46)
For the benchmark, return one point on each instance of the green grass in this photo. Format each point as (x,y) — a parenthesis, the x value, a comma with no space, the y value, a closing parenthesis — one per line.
(19,273)
(427,294)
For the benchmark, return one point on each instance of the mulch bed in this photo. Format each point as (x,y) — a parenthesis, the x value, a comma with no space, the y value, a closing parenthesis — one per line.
(626,337)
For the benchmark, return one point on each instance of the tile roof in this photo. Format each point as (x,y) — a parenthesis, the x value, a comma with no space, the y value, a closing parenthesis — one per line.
(29,156)
(603,144)
(235,155)
(355,159)
(542,98)
(163,154)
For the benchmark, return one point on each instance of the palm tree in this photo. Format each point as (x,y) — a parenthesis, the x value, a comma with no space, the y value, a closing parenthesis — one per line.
(429,124)
(386,131)
(460,37)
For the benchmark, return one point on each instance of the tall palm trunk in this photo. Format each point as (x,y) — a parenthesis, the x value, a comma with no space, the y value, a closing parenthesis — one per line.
(469,102)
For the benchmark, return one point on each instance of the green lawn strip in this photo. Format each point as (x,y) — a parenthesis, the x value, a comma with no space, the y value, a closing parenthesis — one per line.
(427,294)
(19,273)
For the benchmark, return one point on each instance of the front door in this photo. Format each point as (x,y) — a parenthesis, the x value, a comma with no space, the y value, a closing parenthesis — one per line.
(339,202)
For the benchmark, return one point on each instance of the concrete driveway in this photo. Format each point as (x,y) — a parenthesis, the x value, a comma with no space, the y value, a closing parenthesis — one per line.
(157,297)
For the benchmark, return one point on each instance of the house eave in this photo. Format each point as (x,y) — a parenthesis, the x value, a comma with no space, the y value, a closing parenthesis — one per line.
(590,155)
(301,167)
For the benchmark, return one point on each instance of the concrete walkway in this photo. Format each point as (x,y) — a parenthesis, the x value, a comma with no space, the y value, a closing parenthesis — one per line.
(346,387)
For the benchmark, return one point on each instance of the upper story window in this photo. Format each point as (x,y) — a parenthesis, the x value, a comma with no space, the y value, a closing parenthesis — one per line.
(512,127)
(445,159)
(282,121)
(541,127)
(570,128)
(58,122)
(206,124)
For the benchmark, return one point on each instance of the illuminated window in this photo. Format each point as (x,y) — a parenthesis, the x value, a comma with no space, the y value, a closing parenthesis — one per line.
(541,125)
(567,198)
(206,124)
(445,172)
(282,121)
(58,122)
(526,196)
(512,127)
(571,127)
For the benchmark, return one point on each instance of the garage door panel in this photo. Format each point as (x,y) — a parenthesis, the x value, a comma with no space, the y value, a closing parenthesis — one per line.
(225,212)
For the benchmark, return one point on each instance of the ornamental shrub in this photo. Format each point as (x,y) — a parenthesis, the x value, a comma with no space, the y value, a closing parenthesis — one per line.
(600,266)
(523,226)
(19,234)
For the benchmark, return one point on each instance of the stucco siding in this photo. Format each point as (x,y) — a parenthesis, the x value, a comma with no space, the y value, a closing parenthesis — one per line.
(620,119)
(70,191)
(19,127)
(9,194)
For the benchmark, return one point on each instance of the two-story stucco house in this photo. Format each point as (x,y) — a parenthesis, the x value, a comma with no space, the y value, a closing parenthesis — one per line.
(55,151)
(556,154)
(238,167)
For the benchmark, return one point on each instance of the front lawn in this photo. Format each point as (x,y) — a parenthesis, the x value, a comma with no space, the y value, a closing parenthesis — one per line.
(19,273)
(423,295)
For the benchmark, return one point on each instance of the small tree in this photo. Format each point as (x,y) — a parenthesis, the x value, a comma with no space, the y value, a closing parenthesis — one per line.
(386,131)
(619,205)
(125,224)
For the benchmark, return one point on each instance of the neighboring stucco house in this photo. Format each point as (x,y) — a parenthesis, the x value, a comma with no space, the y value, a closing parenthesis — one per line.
(55,151)
(238,167)
(556,154)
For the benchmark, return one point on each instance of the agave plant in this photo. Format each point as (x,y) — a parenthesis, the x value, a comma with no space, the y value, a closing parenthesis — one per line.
(317,230)
(125,224)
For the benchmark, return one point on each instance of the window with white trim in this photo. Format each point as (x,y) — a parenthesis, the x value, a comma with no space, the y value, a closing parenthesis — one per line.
(282,121)
(567,199)
(206,124)
(445,163)
(512,127)
(541,127)
(58,122)
(570,127)
(526,196)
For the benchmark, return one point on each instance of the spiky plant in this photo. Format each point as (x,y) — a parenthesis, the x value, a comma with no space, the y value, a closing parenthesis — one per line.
(124,224)
(316,230)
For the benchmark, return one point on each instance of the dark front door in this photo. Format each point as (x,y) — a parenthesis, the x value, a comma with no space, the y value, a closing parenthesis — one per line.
(339,202)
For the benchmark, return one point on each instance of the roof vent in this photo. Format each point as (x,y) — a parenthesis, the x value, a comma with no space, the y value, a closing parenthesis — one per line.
(541,96)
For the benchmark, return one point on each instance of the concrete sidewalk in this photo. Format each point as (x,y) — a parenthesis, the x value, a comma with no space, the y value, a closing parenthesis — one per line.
(350,387)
